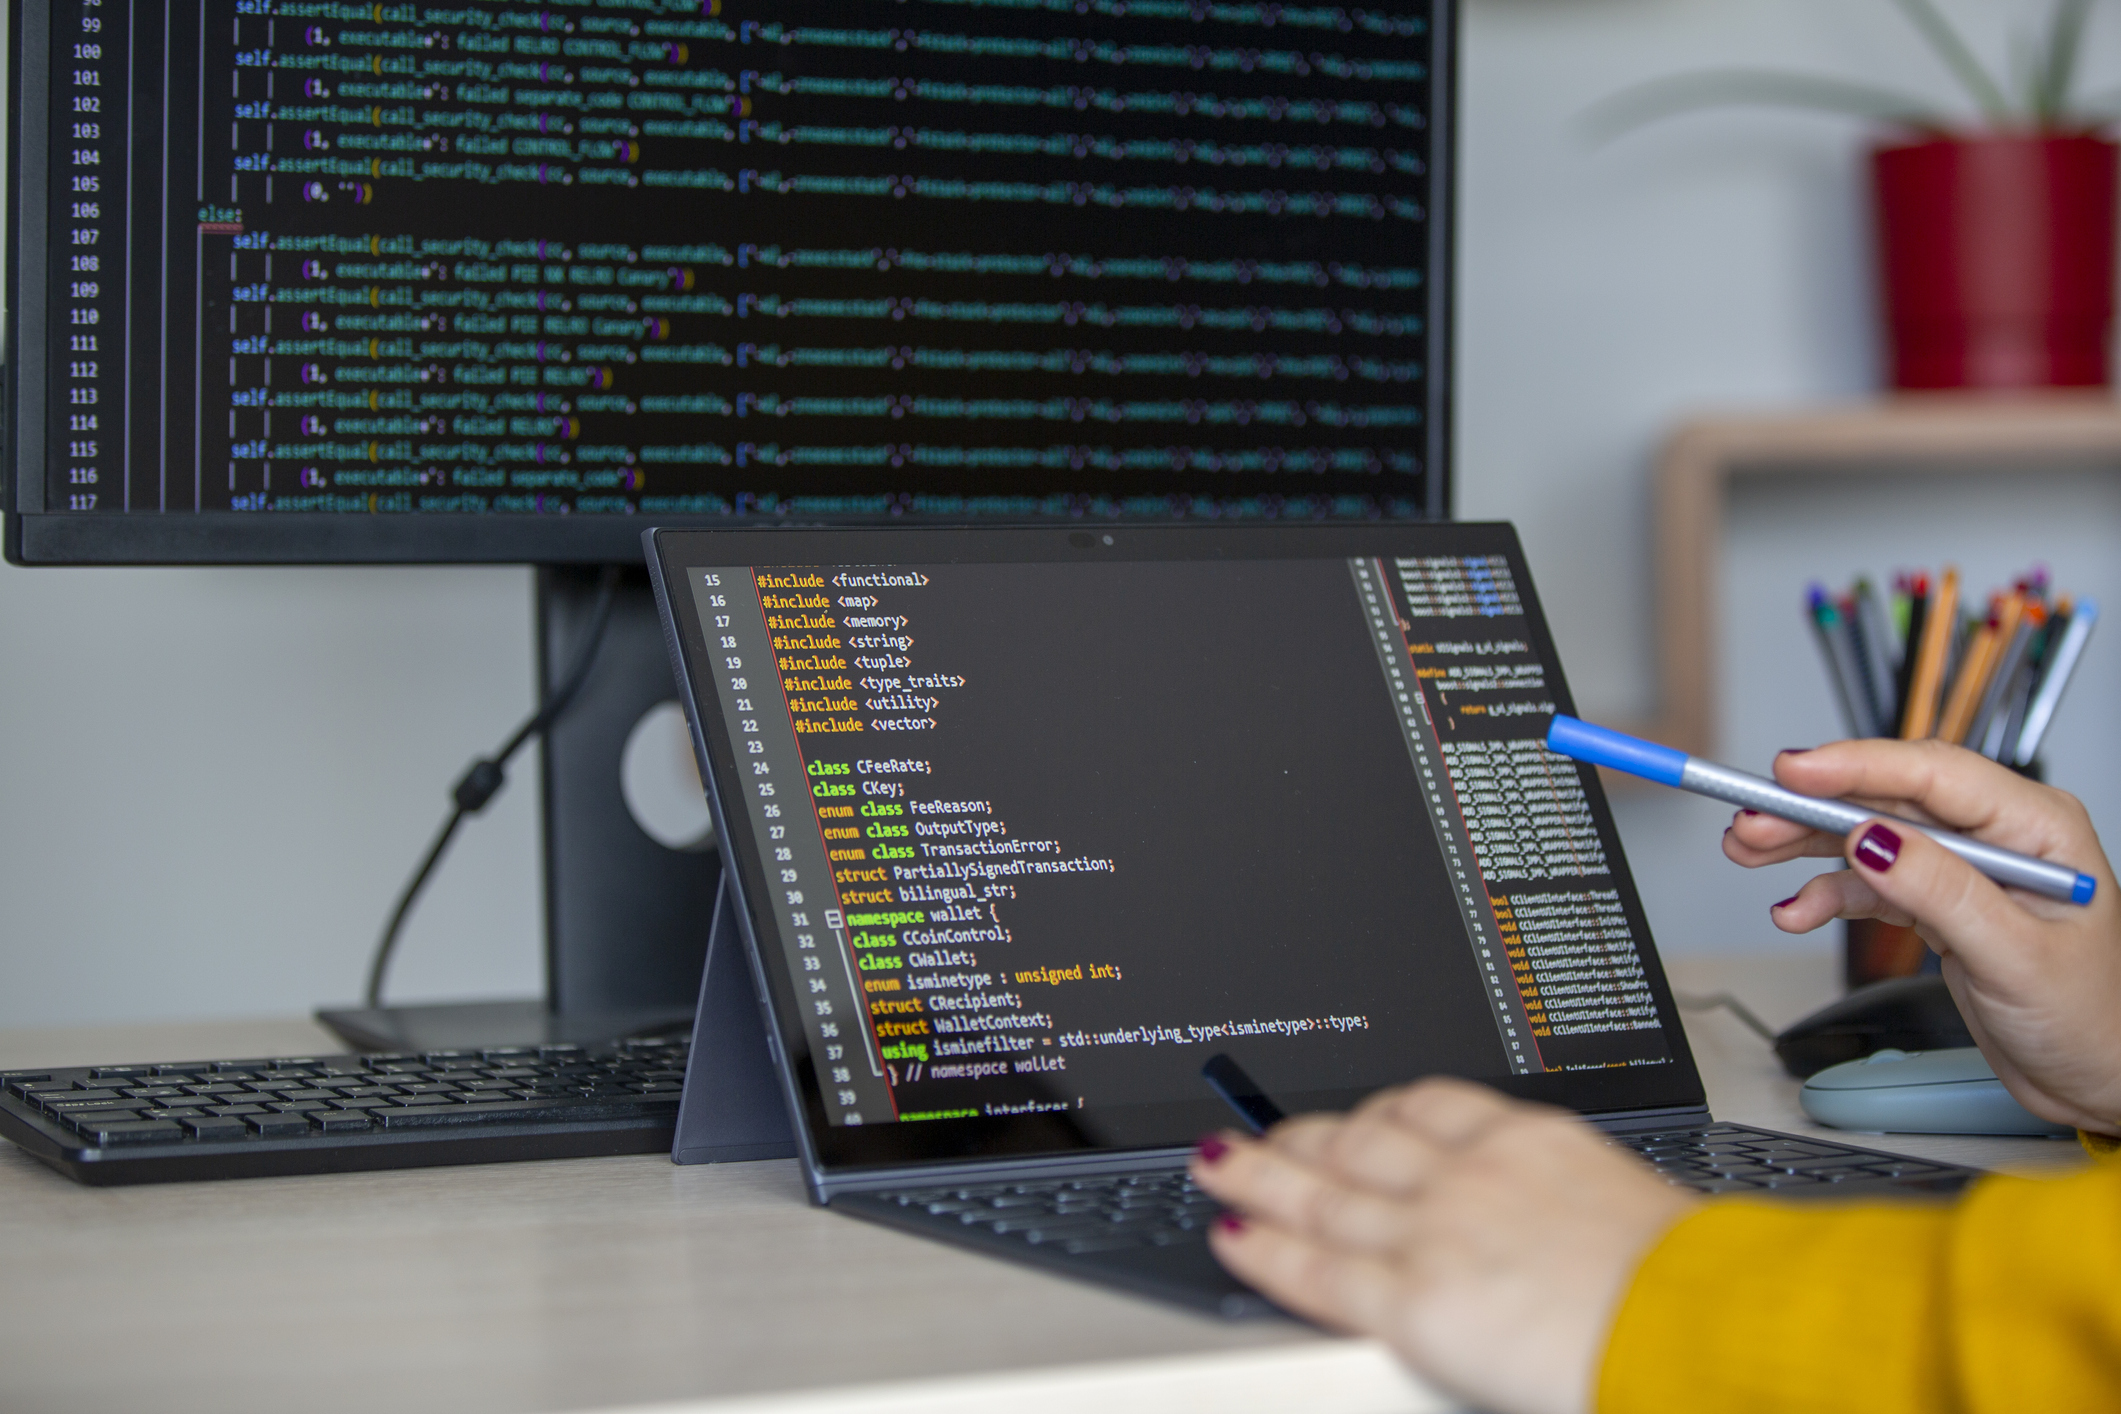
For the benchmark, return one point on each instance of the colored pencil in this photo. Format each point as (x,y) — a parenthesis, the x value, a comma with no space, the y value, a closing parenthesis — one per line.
(2054,677)
(1920,715)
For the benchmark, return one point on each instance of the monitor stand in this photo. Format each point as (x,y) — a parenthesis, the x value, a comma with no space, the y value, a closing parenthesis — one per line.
(626,918)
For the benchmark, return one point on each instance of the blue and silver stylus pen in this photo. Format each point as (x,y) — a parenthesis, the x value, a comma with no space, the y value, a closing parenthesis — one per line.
(1666,766)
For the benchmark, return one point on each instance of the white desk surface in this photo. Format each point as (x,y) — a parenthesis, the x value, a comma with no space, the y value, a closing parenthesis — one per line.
(603,1283)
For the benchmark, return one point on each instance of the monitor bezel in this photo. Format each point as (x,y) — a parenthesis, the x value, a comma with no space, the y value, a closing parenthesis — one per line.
(846,1150)
(37,534)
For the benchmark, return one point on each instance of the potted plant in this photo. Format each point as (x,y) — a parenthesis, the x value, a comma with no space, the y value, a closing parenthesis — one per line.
(1996,232)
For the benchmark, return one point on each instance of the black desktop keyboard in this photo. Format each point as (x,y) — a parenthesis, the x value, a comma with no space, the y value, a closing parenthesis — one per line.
(325,1114)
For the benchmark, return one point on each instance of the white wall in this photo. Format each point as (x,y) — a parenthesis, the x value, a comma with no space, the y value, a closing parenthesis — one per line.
(1716,262)
(215,781)
(212,781)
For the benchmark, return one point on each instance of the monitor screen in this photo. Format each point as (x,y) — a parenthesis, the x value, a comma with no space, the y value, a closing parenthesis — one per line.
(1031,831)
(323,280)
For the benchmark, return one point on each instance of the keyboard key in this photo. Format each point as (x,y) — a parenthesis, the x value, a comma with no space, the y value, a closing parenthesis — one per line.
(230,1111)
(1830,1162)
(1032,1230)
(340,1121)
(1082,1246)
(212,1128)
(96,1119)
(1129,1217)
(274,1126)
(141,1131)
(1791,1149)
(64,1112)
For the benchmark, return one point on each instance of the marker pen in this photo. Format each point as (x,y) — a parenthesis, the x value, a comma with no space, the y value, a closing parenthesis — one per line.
(1662,764)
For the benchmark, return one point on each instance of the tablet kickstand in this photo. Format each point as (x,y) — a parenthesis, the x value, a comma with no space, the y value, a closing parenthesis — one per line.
(732,1108)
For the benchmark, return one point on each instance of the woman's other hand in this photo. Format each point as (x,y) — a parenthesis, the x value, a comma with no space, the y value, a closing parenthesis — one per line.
(1485,1240)
(2039,982)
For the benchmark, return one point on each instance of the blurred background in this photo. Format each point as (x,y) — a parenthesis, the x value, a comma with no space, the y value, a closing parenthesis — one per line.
(212,782)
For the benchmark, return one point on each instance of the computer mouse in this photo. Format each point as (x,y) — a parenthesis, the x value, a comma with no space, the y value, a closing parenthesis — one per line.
(1905,1013)
(1920,1092)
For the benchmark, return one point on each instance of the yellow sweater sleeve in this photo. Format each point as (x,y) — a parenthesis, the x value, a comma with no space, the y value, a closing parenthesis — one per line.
(2004,1300)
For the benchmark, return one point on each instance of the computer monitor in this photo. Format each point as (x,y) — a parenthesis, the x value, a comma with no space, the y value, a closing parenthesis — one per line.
(308,281)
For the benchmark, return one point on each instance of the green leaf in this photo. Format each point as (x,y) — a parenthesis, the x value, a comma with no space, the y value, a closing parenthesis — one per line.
(1632,108)
(2065,40)
(1922,14)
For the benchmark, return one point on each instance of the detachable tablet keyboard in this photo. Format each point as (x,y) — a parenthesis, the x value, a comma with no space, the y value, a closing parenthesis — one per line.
(1148,1231)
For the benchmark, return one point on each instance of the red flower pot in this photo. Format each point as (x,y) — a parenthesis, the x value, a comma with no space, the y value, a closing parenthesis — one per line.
(1998,260)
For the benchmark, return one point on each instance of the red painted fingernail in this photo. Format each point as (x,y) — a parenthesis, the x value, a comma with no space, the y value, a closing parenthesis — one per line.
(1784,904)
(1231,1223)
(1211,1149)
(1794,750)
(1878,848)
(1748,812)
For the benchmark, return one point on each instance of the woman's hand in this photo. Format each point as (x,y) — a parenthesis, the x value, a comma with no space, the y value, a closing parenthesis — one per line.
(2038,982)
(1486,1241)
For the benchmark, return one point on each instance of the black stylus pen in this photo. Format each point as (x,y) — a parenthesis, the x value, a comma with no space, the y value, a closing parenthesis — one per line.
(1242,1093)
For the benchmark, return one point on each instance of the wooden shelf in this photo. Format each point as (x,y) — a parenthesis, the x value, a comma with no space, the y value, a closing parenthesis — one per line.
(1938,434)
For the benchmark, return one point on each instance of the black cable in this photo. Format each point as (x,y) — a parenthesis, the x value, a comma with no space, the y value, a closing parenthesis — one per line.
(483,779)
(1728,1003)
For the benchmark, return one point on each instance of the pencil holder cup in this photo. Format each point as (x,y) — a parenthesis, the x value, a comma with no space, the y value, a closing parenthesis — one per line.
(1873,950)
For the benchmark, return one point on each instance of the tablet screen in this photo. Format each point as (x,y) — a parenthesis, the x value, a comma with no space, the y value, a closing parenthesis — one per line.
(1037,839)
